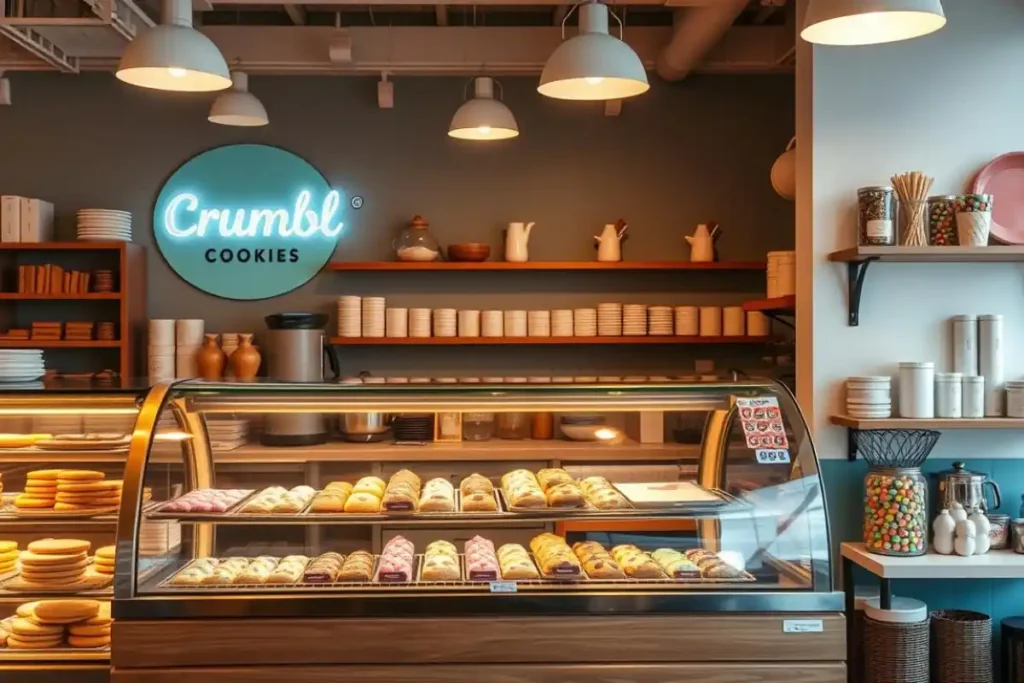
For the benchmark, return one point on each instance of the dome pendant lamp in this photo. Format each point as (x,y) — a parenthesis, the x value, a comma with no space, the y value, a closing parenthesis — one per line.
(483,117)
(870,22)
(237,106)
(593,65)
(174,56)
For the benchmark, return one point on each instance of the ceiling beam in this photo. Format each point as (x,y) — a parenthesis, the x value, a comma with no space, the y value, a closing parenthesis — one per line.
(297,13)
(441,14)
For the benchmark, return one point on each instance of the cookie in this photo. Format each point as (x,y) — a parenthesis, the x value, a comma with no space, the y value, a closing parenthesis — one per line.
(40,491)
(89,630)
(53,578)
(80,507)
(26,501)
(16,643)
(31,560)
(27,609)
(107,552)
(8,568)
(8,557)
(89,486)
(43,475)
(88,641)
(8,546)
(59,546)
(87,500)
(99,620)
(106,570)
(78,476)
(65,611)
(27,627)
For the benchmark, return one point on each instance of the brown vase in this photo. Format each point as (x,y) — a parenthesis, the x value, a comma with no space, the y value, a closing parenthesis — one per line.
(245,361)
(210,359)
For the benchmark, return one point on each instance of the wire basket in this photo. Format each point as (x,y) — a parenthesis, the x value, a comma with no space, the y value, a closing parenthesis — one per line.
(895,447)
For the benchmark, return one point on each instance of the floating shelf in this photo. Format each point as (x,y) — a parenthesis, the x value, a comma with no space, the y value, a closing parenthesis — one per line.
(855,424)
(995,564)
(91,296)
(57,344)
(512,341)
(63,246)
(783,305)
(393,266)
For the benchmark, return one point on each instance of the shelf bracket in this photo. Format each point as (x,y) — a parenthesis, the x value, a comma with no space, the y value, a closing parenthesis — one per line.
(780,318)
(855,272)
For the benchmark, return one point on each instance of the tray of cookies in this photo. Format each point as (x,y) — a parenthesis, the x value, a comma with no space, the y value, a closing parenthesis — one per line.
(555,558)
(440,563)
(202,502)
(477,495)
(396,563)
(53,565)
(65,494)
(277,500)
(47,626)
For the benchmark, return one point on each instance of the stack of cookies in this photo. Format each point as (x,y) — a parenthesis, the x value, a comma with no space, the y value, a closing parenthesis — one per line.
(49,624)
(40,490)
(103,560)
(54,562)
(84,491)
(8,556)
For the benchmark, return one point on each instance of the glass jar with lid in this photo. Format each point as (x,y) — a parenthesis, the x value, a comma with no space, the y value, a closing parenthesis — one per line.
(417,243)
(876,216)
(896,511)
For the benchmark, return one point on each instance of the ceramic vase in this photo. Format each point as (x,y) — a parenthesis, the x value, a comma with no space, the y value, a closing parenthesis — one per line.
(982,542)
(210,359)
(245,361)
(945,529)
(965,543)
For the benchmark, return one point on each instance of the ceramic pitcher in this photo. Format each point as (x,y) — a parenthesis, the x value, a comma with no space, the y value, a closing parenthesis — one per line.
(609,248)
(701,245)
(517,240)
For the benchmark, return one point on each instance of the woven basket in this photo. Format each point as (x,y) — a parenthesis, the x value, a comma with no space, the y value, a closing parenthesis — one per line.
(961,647)
(895,653)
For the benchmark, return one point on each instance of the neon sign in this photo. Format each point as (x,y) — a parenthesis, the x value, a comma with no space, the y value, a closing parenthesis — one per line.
(247,221)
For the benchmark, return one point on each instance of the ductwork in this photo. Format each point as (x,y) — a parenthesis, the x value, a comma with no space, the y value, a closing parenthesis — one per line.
(696,31)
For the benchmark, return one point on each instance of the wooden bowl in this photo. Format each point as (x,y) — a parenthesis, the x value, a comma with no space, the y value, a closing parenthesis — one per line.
(470,251)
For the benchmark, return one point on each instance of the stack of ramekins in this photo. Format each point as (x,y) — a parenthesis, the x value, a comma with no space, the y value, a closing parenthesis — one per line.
(188,334)
(781,274)
(869,398)
(160,363)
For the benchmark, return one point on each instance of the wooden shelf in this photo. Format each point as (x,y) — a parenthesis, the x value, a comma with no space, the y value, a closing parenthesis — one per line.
(63,246)
(1005,254)
(783,305)
(91,296)
(512,341)
(392,266)
(938,423)
(995,564)
(58,344)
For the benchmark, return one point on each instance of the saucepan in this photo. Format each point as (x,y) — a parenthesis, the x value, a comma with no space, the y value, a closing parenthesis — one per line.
(365,426)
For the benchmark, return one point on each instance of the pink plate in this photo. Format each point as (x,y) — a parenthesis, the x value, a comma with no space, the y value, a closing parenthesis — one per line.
(1003,178)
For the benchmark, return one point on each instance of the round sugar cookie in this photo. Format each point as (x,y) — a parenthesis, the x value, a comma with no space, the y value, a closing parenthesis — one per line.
(40,489)
(106,552)
(89,630)
(63,577)
(8,556)
(65,611)
(26,609)
(88,641)
(78,476)
(30,560)
(8,568)
(89,486)
(43,475)
(59,546)
(24,501)
(27,627)
(100,619)
(16,643)
(8,546)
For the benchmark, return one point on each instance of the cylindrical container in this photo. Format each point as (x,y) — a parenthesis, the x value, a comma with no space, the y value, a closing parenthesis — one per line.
(189,332)
(973,219)
(397,322)
(477,426)
(419,322)
(350,316)
(538,323)
(492,324)
(687,321)
(733,321)
(973,396)
(515,323)
(896,511)
(961,645)
(942,221)
(990,362)
(444,322)
(514,425)
(965,344)
(863,596)
(998,531)
(710,321)
(1017,535)
(896,642)
(373,316)
(469,323)
(584,322)
(161,365)
(948,394)
(781,271)
(1013,649)
(185,366)
(609,320)
(543,426)
(561,322)
(1015,398)
(758,324)
(917,390)
(161,332)
(876,216)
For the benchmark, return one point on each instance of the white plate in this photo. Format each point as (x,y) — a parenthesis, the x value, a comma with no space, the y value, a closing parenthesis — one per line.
(99,238)
(21,378)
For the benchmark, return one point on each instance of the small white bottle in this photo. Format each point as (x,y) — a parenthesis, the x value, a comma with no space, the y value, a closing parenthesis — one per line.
(973,396)
(965,542)
(944,528)
(981,524)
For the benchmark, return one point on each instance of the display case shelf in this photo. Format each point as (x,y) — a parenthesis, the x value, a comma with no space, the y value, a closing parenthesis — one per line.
(58,344)
(413,266)
(541,341)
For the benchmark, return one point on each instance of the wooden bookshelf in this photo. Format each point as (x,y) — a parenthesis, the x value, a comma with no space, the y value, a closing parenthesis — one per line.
(540,341)
(91,296)
(394,266)
(59,344)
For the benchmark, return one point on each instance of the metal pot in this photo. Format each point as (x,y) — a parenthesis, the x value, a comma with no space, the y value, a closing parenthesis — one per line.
(960,485)
(363,424)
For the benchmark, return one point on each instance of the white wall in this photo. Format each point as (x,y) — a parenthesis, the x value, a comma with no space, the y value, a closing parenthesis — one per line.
(945,104)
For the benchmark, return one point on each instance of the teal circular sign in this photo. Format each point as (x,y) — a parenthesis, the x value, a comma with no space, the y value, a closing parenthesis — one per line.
(247,221)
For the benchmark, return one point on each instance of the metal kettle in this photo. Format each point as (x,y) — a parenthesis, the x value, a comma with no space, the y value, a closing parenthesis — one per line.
(960,485)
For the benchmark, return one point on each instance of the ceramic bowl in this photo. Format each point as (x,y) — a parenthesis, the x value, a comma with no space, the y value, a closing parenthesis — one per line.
(470,251)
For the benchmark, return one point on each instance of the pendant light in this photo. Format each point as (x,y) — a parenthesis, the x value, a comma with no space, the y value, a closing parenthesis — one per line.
(237,106)
(174,56)
(483,117)
(870,22)
(593,65)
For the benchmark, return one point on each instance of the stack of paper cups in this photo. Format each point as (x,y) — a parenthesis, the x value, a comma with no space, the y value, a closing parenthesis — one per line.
(350,316)
(161,350)
(444,322)
(659,320)
(515,323)
(538,323)
(397,322)
(373,316)
(228,344)
(710,321)
(687,321)
(634,320)
(584,322)
(493,324)
(781,273)
(419,322)
(188,336)
(609,320)
(733,321)
(758,324)
(469,323)
(561,322)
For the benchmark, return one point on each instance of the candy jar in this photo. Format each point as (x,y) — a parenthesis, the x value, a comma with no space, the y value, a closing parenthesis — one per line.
(982,542)
(896,511)
(945,529)
(965,543)
(417,243)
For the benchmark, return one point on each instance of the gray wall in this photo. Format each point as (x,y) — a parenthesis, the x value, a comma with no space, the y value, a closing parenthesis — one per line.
(682,154)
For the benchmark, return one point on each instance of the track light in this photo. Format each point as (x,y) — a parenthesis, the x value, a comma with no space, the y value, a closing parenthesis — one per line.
(869,22)
(237,106)
(5,90)
(483,117)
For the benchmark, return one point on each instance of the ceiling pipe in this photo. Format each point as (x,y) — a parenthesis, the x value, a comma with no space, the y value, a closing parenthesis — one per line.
(696,31)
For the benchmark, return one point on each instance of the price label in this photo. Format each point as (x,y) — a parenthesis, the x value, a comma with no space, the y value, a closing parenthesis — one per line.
(503,587)
(772,456)
(802,626)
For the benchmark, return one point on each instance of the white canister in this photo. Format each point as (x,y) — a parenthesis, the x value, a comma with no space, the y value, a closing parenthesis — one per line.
(973,396)
(965,344)
(492,324)
(419,322)
(538,323)
(948,394)
(161,332)
(397,322)
(758,324)
(990,362)
(188,332)
(515,323)
(469,323)
(710,321)
(733,321)
(161,364)
(185,365)
(1015,398)
(687,321)
(444,322)
(917,390)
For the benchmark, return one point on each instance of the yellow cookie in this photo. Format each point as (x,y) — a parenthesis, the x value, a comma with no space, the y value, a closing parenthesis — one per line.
(16,643)
(59,546)
(41,491)
(30,560)
(106,570)
(8,546)
(99,620)
(77,476)
(65,611)
(70,576)
(24,501)
(8,557)
(8,568)
(27,627)
(88,641)
(43,475)
(26,609)
(106,552)
(87,487)
(89,630)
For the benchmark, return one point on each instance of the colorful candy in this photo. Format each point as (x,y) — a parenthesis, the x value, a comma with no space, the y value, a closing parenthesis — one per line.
(895,512)
(942,221)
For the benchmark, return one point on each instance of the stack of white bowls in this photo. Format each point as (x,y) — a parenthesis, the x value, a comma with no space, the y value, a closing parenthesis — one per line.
(758,324)
(584,322)
(419,322)
(469,323)
(609,320)
(561,322)
(634,320)
(869,397)
(160,356)
(493,324)
(104,225)
(781,274)
(687,321)
(733,321)
(188,335)
(229,344)
(538,323)
(396,322)
(659,320)
(373,316)
(710,321)
(350,316)
(515,323)
(444,322)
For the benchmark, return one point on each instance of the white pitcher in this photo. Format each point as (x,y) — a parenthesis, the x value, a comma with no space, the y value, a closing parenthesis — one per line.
(517,240)
(609,247)
(702,248)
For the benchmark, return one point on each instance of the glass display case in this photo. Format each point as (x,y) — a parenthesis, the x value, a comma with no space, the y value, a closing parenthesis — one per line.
(467,509)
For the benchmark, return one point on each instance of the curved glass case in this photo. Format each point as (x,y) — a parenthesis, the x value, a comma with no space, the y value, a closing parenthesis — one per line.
(472,499)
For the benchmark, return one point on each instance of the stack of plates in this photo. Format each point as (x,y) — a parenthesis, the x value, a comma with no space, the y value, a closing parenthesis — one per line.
(373,316)
(350,316)
(413,428)
(869,397)
(609,320)
(515,323)
(157,538)
(227,435)
(660,320)
(538,323)
(561,322)
(21,365)
(634,320)
(104,225)
(419,322)
(584,322)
